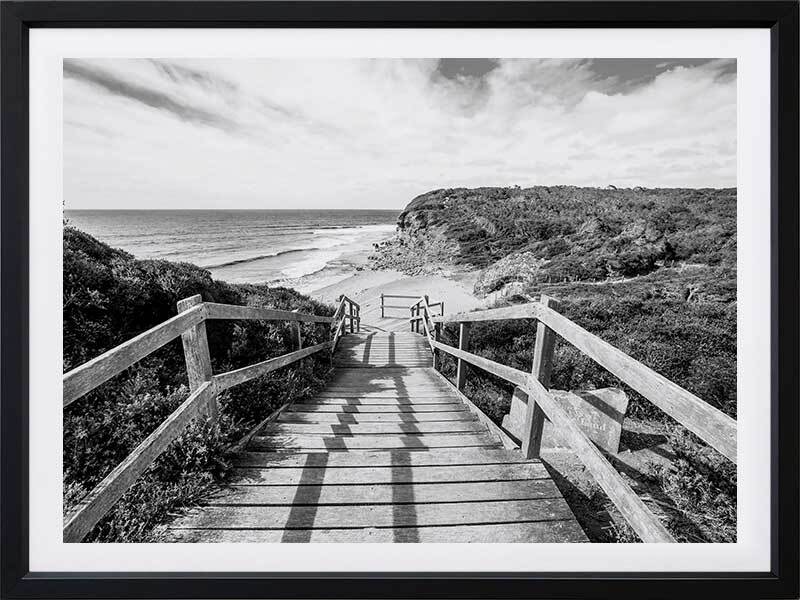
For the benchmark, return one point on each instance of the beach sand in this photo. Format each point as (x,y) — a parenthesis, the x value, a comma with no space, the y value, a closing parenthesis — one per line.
(366,287)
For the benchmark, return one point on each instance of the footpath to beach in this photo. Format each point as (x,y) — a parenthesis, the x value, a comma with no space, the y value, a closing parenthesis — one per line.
(366,287)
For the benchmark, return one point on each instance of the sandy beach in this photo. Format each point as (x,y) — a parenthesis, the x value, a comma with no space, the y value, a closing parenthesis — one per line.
(366,287)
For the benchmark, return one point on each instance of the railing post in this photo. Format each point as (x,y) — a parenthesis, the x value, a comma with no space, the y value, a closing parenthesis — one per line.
(542,367)
(441,312)
(297,332)
(382,314)
(463,344)
(427,316)
(412,318)
(352,316)
(436,335)
(198,358)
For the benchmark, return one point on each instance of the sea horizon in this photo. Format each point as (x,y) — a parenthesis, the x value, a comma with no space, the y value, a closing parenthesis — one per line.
(305,249)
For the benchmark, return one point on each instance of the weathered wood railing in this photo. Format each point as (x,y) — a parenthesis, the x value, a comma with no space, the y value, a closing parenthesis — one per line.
(711,425)
(417,314)
(346,310)
(403,307)
(204,386)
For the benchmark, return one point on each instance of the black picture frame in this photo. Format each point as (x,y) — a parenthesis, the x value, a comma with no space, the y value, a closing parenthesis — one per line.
(781,17)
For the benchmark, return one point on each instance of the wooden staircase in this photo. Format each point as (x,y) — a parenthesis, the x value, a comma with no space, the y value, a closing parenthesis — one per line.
(389,451)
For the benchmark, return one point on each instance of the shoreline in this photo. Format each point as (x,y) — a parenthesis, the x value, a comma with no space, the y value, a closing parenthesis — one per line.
(366,286)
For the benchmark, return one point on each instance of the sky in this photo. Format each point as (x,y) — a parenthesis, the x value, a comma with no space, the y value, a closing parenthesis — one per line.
(375,133)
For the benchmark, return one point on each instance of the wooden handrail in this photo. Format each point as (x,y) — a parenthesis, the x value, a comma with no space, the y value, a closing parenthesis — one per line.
(233,311)
(223,381)
(426,315)
(338,322)
(337,334)
(83,379)
(643,522)
(201,401)
(710,424)
(384,306)
(519,311)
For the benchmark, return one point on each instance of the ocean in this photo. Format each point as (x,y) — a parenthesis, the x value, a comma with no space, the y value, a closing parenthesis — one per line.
(303,249)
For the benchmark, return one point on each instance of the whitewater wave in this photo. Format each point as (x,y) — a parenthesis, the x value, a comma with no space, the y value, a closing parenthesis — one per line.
(250,259)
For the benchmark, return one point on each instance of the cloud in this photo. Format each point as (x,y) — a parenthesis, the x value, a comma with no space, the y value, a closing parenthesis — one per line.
(117,86)
(366,133)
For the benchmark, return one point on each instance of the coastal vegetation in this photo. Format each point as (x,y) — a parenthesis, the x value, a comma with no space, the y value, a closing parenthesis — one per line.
(653,272)
(109,297)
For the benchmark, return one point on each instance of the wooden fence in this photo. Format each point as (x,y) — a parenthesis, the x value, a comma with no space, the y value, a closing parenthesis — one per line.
(711,425)
(204,386)
(403,307)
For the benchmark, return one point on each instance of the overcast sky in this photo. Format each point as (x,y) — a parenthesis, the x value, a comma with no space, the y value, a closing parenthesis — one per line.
(362,133)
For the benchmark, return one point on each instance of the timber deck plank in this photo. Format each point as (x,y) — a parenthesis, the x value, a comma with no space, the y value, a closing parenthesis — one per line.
(388,493)
(385,453)
(346,430)
(323,475)
(364,417)
(537,532)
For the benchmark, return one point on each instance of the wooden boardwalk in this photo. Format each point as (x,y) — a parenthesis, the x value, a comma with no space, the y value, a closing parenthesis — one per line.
(389,451)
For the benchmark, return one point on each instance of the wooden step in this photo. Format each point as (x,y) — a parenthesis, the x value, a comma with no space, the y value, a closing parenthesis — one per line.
(395,387)
(390,372)
(378,400)
(387,394)
(343,429)
(363,516)
(444,457)
(355,418)
(283,443)
(391,493)
(319,475)
(337,363)
(371,408)
(566,531)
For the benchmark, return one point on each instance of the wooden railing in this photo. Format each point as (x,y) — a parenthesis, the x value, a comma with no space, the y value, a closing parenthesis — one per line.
(711,425)
(204,386)
(402,307)
(347,310)
(417,313)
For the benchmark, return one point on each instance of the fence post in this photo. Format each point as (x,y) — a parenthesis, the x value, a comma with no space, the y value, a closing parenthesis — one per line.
(352,316)
(297,332)
(382,314)
(463,344)
(198,358)
(436,336)
(542,367)
(441,313)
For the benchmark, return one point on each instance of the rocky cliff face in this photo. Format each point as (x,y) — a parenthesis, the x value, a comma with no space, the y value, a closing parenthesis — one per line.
(422,244)
(561,234)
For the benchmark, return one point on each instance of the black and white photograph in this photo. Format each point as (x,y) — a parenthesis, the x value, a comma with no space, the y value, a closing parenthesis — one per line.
(391,300)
